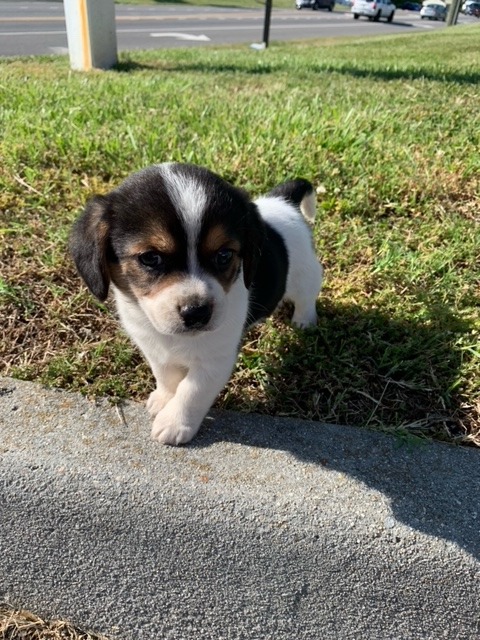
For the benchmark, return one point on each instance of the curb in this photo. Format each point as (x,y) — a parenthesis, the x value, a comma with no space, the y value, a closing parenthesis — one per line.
(261,528)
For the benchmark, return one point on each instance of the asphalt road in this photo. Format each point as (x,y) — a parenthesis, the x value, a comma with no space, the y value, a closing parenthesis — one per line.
(261,529)
(34,28)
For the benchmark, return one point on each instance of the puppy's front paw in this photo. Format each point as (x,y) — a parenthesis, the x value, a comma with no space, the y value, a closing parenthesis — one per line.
(305,319)
(169,429)
(157,400)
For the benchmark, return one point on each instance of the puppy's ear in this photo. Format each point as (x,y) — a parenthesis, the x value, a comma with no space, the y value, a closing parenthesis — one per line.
(253,241)
(88,246)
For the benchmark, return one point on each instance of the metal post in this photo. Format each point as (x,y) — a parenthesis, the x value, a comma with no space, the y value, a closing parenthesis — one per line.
(266,24)
(453,12)
(91,35)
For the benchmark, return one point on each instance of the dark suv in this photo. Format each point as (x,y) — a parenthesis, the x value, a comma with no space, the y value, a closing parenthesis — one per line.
(315,4)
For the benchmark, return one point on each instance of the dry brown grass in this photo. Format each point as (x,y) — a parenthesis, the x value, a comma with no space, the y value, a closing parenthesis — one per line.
(19,624)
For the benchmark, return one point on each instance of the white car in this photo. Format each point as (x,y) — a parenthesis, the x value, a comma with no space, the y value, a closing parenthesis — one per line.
(373,9)
(433,12)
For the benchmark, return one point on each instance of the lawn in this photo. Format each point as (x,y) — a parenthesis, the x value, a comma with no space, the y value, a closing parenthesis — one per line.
(388,129)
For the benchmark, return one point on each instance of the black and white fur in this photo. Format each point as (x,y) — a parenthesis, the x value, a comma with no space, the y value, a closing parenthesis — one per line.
(192,263)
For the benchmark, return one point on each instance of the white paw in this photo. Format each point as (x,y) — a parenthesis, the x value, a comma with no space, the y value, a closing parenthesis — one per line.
(305,321)
(157,400)
(168,428)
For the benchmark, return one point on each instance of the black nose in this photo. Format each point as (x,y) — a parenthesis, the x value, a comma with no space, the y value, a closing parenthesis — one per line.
(195,316)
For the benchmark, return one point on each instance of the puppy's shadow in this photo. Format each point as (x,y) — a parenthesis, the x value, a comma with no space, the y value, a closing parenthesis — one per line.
(399,369)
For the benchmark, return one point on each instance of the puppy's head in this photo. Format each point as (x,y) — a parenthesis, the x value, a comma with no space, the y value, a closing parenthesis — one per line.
(175,239)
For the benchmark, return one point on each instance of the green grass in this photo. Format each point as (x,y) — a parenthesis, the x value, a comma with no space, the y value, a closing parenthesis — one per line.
(388,128)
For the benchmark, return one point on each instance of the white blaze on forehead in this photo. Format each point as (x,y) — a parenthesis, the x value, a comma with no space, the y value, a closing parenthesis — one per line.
(190,199)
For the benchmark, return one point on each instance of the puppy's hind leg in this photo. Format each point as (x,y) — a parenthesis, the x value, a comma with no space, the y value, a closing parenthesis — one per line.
(305,272)
(304,295)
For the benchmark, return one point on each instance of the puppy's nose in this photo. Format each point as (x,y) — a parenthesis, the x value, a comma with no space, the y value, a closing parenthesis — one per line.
(195,316)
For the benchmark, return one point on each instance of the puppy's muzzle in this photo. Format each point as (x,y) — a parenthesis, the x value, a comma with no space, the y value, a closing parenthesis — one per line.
(195,316)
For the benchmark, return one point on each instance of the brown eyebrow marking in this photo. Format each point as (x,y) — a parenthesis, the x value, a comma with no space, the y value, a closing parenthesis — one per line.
(157,241)
(218,237)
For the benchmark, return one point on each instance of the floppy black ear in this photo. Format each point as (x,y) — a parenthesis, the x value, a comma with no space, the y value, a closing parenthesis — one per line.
(253,241)
(88,246)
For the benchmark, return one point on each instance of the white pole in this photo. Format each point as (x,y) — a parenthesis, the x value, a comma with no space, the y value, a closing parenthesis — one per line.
(91,35)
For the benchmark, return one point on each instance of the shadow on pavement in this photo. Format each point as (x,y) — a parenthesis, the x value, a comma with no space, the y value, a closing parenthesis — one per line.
(433,487)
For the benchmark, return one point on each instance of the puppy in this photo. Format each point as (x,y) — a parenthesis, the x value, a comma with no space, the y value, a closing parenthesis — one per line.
(193,263)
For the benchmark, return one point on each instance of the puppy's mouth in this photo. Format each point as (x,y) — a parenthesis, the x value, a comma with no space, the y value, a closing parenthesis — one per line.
(193,332)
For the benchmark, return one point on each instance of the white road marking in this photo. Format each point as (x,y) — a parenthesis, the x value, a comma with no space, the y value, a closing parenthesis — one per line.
(181,36)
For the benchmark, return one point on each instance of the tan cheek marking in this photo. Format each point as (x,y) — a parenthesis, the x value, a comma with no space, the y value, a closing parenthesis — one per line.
(153,289)
(130,277)
(123,275)
(227,278)
(217,238)
(132,280)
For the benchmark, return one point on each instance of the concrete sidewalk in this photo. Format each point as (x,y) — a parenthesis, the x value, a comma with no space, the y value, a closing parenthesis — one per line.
(261,528)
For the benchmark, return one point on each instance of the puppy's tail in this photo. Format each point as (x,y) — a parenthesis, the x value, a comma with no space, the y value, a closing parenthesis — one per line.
(301,194)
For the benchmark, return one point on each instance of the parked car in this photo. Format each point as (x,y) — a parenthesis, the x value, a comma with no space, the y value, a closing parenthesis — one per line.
(411,6)
(433,12)
(315,4)
(473,9)
(373,9)
(466,4)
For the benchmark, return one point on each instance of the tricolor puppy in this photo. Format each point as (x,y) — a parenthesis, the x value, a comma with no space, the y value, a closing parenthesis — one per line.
(192,263)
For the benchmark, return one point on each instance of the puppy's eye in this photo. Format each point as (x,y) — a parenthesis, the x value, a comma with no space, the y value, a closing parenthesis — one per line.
(151,259)
(222,259)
